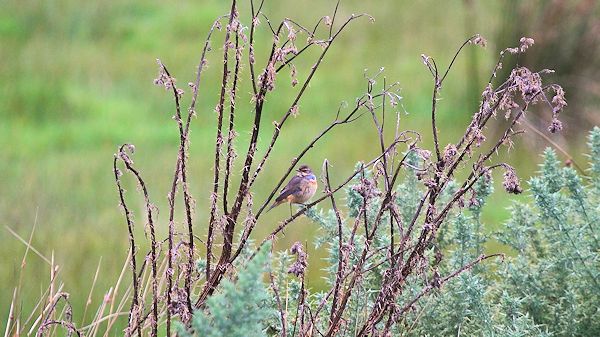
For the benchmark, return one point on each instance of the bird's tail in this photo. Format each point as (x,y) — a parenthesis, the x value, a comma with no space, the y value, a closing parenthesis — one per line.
(275,204)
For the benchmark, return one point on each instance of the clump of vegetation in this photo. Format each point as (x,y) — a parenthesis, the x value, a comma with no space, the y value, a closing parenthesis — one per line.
(406,246)
(547,286)
(240,308)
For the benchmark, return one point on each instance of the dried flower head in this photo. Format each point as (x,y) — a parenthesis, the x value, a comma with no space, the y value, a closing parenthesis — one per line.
(527,82)
(367,188)
(294,111)
(291,32)
(394,98)
(294,75)
(299,267)
(424,154)
(511,181)
(267,79)
(507,104)
(525,42)
(558,101)
(449,152)
(425,59)
(478,137)
(479,40)
(163,78)
(251,55)
(555,125)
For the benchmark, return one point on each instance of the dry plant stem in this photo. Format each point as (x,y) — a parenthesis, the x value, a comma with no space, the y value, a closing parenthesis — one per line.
(68,314)
(89,299)
(468,41)
(219,142)
(340,267)
(171,200)
(191,112)
(348,119)
(176,175)
(278,300)
(350,273)
(441,282)
(380,132)
(67,325)
(231,217)
(300,309)
(253,20)
(14,308)
(306,207)
(39,305)
(116,290)
(134,310)
(245,181)
(436,88)
(11,316)
(432,221)
(556,146)
(282,121)
(345,262)
(389,322)
(231,132)
(357,270)
(180,171)
(129,165)
(393,284)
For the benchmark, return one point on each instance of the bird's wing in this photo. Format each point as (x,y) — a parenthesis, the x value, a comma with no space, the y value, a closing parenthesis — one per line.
(292,187)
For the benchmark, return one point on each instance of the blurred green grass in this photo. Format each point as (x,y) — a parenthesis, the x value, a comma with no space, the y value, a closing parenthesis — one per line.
(77,82)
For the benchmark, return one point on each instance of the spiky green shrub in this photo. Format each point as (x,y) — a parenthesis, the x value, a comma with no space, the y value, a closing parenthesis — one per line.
(240,309)
(555,276)
(547,285)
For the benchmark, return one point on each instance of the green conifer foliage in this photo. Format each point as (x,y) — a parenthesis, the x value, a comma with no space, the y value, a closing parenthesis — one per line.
(240,309)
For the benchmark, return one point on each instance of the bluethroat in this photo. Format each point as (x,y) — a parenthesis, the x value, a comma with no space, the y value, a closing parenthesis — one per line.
(299,189)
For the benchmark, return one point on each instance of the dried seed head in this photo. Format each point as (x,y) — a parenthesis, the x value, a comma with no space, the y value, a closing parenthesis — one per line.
(449,152)
(558,101)
(294,111)
(163,78)
(525,42)
(424,154)
(299,267)
(479,40)
(555,126)
(294,75)
(478,137)
(527,82)
(511,181)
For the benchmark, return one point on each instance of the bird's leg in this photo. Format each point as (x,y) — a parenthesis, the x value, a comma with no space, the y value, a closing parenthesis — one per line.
(291,213)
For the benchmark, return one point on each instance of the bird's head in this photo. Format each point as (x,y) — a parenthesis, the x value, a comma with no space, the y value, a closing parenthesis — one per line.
(304,170)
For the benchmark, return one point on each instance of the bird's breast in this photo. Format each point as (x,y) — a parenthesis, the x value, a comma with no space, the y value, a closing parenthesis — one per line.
(307,190)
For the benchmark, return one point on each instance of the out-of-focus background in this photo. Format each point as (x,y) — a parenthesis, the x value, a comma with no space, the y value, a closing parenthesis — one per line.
(76,82)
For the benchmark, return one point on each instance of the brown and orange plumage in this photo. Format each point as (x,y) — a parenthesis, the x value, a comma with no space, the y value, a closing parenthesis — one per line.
(299,189)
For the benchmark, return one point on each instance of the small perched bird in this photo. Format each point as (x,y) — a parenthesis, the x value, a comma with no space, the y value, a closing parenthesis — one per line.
(299,189)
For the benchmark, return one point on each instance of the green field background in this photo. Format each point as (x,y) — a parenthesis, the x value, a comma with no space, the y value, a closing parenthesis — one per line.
(77,82)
